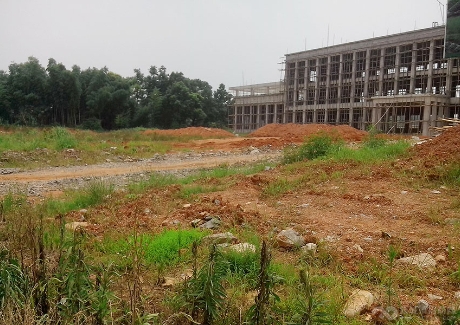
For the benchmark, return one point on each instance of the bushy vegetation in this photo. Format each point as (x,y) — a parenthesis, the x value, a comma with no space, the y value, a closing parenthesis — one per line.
(99,99)
(316,146)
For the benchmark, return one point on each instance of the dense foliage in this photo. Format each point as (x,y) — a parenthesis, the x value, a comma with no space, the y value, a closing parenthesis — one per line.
(100,99)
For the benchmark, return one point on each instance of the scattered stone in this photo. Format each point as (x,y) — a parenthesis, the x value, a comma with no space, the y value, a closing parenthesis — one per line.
(267,168)
(196,222)
(382,316)
(175,222)
(359,301)
(422,307)
(147,211)
(221,238)
(404,192)
(385,235)
(289,238)
(457,295)
(83,211)
(435,192)
(188,205)
(305,205)
(358,248)
(76,225)
(255,151)
(367,239)
(434,297)
(243,248)
(168,282)
(108,160)
(214,223)
(217,202)
(440,258)
(309,248)
(423,260)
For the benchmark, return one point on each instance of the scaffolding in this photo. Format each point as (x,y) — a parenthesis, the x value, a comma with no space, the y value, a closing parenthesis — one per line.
(399,83)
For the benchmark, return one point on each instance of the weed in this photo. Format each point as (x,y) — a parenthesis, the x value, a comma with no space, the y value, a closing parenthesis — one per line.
(206,290)
(260,313)
(62,138)
(309,304)
(314,147)
(450,317)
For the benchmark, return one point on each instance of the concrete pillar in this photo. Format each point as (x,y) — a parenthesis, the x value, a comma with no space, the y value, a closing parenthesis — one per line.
(382,71)
(328,88)
(339,89)
(397,71)
(429,83)
(426,117)
(449,77)
(296,82)
(317,83)
(366,76)
(353,79)
(413,68)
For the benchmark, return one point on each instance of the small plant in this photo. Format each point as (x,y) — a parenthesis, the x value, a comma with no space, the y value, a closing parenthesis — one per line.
(62,138)
(372,140)
(206,289)
(392,255)
(260,313)
(309,304)
(314,147)
(450,317)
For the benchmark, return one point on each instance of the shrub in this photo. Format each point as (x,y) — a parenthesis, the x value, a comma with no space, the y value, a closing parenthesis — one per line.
(316,146)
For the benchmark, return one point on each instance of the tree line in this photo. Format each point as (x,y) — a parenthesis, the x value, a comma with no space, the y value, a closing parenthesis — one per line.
(33,95)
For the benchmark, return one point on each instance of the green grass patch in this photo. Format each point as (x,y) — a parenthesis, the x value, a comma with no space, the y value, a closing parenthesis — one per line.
(92,195)
(317,146)
(160,250)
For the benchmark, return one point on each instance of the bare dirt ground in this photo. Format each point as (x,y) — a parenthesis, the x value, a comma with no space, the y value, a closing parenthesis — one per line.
(358,214)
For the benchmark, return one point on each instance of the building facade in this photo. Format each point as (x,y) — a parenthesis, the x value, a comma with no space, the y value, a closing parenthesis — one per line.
(399,84)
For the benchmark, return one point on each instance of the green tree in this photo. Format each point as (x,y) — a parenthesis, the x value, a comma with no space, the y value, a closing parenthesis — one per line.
(27,91)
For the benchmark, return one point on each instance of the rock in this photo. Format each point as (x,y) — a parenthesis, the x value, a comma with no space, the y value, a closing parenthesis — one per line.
(434,297)
(147,211)
(435,192)
(309,248)
(440,258)
(404,192)
(367,239)
(289,238)
(358,248)
(422,307)
(83,211)
(243,248)
(168,282)
(211,224)
(188,205)
(305,205)
(359,301)
(382,316)
(423,260)
(221,238)
(75,225)
(457,295)
(267,168)
(254,152)
(386,235)
(196,222)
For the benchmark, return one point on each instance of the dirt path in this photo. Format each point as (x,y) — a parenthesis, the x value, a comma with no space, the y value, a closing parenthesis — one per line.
(121,173)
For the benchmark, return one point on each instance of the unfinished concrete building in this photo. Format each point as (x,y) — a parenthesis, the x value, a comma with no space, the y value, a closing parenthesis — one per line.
(399,84)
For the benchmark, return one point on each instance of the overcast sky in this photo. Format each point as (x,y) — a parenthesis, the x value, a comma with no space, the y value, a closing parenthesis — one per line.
(219,41)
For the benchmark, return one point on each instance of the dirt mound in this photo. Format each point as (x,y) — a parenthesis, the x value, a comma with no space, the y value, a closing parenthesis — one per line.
(194,132)
(298,132)
(441,150)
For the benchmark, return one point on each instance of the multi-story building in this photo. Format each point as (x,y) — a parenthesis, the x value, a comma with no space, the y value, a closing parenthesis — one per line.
(398,83)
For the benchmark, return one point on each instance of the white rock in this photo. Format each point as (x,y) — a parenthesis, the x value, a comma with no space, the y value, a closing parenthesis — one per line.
(305,205)
(440,258)
(359,301)
(422,307)
(75,225)
(434,297)
(309,248)
(188,205)
(436,192)
(358,248)
(289,238)
(243,248)
(423,260)
(255,151)
(457,295)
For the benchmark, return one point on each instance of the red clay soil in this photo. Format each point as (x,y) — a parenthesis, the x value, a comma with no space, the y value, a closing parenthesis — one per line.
(194,131)
(298,132)
(442,150)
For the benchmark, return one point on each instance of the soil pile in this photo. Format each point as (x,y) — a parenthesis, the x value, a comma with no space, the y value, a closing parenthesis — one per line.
(194,132)
(442,150)
(298,132)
